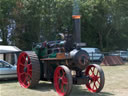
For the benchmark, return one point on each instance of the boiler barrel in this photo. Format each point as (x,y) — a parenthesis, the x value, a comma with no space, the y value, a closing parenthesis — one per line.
(80,58)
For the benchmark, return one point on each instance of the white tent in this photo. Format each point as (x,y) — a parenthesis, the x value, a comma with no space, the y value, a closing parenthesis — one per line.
(8,49)
(9,54)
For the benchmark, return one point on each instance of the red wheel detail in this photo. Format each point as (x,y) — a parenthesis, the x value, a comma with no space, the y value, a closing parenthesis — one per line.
(24,72)
(96,75)
(62,80)
(24,69)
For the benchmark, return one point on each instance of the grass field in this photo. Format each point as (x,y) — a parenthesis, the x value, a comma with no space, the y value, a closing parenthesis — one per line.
(116,84)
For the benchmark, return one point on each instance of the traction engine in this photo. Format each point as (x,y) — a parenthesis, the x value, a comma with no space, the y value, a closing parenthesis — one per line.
(62,62)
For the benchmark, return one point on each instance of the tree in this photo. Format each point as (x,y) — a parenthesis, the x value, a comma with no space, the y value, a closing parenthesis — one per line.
(6,7)
(104,22)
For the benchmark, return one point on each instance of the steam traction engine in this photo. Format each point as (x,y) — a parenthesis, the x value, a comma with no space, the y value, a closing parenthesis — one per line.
(61,62)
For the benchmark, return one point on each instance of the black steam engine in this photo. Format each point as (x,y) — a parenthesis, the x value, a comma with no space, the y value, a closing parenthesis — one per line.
(62,62)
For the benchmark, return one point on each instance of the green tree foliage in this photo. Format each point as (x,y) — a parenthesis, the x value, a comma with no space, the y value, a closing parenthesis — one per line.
(103,23)
(38,20)
(120,23)
(6,7)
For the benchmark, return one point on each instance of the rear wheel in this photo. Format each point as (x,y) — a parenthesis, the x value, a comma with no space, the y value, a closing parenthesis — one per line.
(96,78)
(63,80)
(28,69)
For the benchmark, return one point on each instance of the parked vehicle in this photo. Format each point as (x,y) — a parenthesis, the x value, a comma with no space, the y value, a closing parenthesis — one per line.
(122,54)
(7,70)
(94,54)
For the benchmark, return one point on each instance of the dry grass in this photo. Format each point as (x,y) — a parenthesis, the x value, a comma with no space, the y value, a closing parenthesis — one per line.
(116,84)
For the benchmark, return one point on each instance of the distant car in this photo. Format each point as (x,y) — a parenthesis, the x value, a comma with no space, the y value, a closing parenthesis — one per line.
(122,54)
(7,70)
(94,54)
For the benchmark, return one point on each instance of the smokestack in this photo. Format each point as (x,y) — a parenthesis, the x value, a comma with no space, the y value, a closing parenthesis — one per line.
(76,28)
(76,23)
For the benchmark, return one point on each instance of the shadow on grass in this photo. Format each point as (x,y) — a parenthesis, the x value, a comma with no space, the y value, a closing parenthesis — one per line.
(76,91)
(79,91)
(44,86)
(8,81)
(47,86)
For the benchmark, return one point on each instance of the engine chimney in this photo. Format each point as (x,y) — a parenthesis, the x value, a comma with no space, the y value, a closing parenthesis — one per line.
(76,22)
(76,28)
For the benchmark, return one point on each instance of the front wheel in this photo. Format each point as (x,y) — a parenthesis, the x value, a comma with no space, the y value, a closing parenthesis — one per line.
(63,80)
(96,78)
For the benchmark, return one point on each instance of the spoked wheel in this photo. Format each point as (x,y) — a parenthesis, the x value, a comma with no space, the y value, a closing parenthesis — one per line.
(96,78)
(28,69)
(63,80)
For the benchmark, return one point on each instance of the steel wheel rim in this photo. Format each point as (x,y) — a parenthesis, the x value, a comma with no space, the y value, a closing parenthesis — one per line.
(61,81)
(24,70)
(94,82)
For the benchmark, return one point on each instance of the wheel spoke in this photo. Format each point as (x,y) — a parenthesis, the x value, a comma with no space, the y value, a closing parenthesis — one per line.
(97,77)
(63,73)
(92,73)
(98,82)
(62,87)
(24,58)
(22,73)
(97,72)
(22,64)
(25,80)
(30,70)
(93,69)
(58,78)
(58,74)
(94,85)
(65,81)
(29,67)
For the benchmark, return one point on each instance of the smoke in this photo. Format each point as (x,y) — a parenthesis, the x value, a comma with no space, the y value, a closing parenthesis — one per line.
(76,8)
